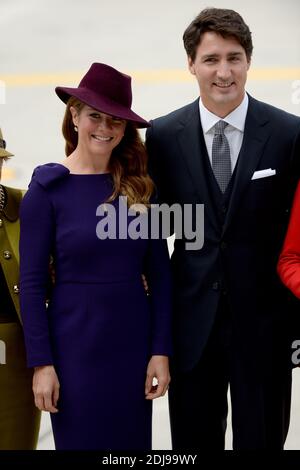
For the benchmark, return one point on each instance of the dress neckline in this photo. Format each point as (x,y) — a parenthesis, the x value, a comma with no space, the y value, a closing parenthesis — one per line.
(83,174)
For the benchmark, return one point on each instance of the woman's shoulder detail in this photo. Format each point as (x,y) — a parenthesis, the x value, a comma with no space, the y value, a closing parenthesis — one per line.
(50,173)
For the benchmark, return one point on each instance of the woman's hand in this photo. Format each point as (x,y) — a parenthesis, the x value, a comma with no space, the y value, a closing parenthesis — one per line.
(158,367)
(45,386)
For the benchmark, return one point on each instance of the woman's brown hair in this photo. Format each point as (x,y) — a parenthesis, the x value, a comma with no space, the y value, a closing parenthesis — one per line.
(128,162)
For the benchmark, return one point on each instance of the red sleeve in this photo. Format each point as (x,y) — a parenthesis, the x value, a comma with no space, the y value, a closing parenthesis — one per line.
(289,260)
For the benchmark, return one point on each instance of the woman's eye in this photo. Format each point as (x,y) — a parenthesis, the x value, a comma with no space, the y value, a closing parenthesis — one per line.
(95,115)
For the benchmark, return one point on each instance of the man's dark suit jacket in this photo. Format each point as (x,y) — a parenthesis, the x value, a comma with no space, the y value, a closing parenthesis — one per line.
(239,256)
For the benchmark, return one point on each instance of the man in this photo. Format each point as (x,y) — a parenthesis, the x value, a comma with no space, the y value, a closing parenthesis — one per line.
(19,418)
(240,158)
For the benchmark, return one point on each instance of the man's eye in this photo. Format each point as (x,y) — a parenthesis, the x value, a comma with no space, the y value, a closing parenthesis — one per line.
(211,60)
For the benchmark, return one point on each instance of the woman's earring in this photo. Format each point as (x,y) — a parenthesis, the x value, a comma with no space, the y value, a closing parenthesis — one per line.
(75,128)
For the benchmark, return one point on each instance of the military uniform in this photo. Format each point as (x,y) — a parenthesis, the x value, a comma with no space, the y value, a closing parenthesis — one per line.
(19,418)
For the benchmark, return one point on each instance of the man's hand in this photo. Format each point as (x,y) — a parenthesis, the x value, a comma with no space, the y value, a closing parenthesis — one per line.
(158,368)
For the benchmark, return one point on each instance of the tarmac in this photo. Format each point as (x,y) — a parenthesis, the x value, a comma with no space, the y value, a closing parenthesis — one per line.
(45,44)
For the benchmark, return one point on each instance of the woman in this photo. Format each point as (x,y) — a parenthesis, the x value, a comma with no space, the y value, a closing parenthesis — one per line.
(19,419)
(289,260)
(100,343)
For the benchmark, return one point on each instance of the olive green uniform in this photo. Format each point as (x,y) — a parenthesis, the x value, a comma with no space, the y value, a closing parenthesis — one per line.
(19,418)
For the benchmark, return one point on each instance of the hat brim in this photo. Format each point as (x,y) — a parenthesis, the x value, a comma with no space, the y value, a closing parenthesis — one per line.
(4,153)
(101,103)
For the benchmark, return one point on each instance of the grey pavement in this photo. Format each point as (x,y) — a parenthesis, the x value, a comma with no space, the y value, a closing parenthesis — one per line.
(48,43)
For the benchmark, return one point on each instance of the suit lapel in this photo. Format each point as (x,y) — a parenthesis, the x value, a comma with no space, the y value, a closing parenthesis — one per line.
(256,134)
(192,147)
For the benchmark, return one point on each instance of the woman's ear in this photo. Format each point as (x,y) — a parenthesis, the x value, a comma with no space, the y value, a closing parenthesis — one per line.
(74,114)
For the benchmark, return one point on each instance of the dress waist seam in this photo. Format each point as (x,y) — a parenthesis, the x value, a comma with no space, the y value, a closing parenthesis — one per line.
(118,281)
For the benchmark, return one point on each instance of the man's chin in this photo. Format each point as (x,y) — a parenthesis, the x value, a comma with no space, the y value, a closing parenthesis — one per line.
(219,100)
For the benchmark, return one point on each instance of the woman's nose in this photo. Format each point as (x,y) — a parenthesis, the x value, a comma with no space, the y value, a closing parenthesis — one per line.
(104,123)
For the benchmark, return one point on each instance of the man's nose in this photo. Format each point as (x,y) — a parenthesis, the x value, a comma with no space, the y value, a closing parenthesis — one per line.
(224,70)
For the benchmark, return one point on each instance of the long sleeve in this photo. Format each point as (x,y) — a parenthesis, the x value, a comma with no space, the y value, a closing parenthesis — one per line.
(154,164)
(36,241)
(158,275)
(289,260)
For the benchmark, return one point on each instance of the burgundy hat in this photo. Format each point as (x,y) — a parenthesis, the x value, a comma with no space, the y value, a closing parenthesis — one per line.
(105,89)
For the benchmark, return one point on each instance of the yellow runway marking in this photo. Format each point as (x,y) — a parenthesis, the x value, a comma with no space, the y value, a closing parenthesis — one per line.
(143,76)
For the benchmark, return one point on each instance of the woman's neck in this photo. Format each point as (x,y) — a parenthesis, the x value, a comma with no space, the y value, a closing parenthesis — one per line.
(82,163)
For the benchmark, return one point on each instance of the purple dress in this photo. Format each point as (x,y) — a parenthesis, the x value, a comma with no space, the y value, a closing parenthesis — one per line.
(100,328)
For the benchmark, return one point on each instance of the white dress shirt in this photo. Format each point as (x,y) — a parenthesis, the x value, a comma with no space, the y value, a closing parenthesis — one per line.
(234,131)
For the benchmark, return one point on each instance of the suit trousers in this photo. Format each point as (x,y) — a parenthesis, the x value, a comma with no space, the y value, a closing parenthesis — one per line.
(19,418)
(198,397)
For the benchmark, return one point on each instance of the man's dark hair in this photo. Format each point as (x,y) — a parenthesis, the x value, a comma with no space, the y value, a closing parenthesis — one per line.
(227,23)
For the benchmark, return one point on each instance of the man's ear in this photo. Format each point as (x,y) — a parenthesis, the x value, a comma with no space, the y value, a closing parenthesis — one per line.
(191,65)
(249,63)
(74,114)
